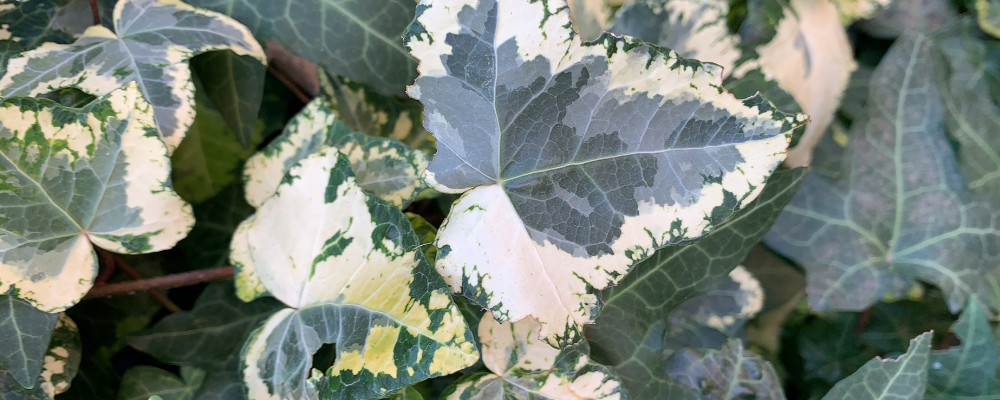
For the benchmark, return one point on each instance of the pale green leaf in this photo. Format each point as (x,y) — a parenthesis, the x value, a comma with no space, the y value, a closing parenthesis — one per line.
(902,213)
(101,60)
(525,367)
(358,39)
(731,372)
(576,160)
(629,333)
(235,85)
(904,377)
(969,369)
(143,382)
(24,336)
(73,178)
(60,365)
(383,167)
(361,282)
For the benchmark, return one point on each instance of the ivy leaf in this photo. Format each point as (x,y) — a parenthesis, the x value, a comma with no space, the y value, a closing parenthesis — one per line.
(101,60)
(61,363)
(969,369)
(207,246)
(358,39)
(524,367)
(25,333)
(902,213)
(363,284)
(692,28)
(143,382)
(70,178)
(629,333)
(36,22)
(882,379)
(731,372)
(235,85)
(578,159)
(988,13)
(724,309)
(383,167)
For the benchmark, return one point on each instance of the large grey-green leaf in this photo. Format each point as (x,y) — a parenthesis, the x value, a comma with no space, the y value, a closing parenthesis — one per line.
(151,43)
(524,367)
(25,333)
(359,39)
(361,282)
(630,329)
(383,167)
(577,159)
(904,377)
(73,178)
(902,213)
(971,368)
(731,372)
(61,363)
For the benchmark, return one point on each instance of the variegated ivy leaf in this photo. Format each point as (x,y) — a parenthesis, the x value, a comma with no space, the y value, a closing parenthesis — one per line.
(359,280)
(73,178)
(369,112)
(811,58)
(693,28)
(383,167)
(902,212)
(152,41)
(904,377)
(988,13)
(578,159)
(25,333)
(524,367)
(61,363)
(36,22)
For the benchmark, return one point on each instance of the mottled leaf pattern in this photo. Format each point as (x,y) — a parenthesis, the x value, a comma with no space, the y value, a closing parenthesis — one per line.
(525,367)
(383,167)
(60,364)
(361,283)
(36,22)
(578,159)
(731,372)
(902,213)
(24,336)
(70,178)
(102,60)
(359,39)
(630,330)
(904,377)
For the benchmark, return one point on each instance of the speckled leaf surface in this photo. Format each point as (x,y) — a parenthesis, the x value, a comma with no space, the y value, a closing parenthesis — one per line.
(969,369)
(359,39)
(904,377)
(60,364)
(577,160)
(70,178)
(630,331)
(383,167)
(525,367)
(731,372)
(101,60)
(361,282)
(902,212)
(24,337)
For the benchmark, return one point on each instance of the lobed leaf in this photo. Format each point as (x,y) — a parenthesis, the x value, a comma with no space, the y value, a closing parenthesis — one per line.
(577,159)
(971,368)
(362,283)
(904,377)
(151,44)
(73,178)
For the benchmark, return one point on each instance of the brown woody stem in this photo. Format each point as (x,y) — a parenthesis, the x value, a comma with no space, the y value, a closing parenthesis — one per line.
(161,282)
(95,12)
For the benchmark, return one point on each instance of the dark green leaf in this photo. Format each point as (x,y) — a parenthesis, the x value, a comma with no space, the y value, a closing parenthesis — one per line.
(904,377)
(235,85)
(25,333)
(207,246)
(971,368)
(61,361)
(141,382)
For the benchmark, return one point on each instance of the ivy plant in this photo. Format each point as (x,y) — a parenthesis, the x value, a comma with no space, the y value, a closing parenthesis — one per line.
(499,199)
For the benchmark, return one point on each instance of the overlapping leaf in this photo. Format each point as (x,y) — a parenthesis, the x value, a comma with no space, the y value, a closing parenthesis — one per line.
(853,10)
(143,382)
(358,39)
(25,333)
(578,159)
(70,178)
(235,85)
(902,214)
(524,367)
(882,379)
(731,372)
(360,281)
(590,17)
(383,167)
(971,368)
(60,365)
(629,333)
(152,41)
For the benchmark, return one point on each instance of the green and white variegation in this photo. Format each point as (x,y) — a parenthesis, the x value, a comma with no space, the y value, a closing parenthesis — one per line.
(384,167)
(61,361)
(152,42)
(360,281)
(72,178)
(853,10)
(525,367)
(577,159)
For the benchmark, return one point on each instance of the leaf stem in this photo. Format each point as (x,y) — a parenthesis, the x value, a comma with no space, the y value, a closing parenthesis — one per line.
(296,90)
(161,282)
(112,260)
(95,12)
